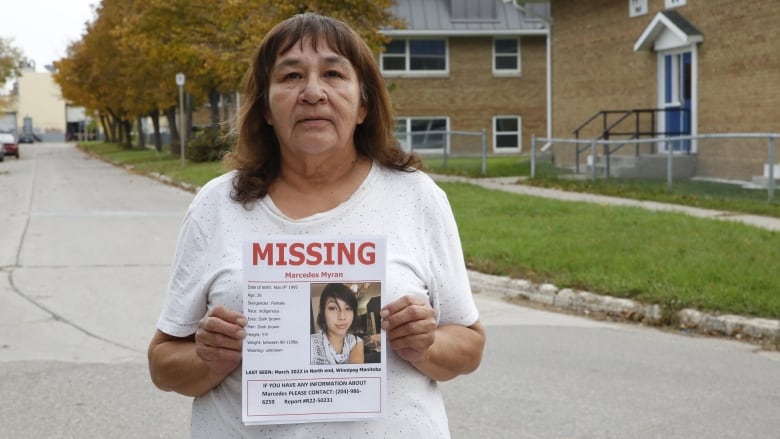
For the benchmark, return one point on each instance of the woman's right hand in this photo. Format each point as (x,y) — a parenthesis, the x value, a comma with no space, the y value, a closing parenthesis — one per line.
(219,339)
(195,364)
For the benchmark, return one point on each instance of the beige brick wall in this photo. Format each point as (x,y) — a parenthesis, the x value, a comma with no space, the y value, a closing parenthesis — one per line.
(471,95)
(40,99)
(595,68)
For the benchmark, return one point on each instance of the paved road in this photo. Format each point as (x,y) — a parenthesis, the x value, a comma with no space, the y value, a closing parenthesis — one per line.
(555,376)
(84,256)
(85,251)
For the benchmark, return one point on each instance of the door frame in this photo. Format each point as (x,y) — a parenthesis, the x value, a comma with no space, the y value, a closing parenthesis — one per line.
(662,88)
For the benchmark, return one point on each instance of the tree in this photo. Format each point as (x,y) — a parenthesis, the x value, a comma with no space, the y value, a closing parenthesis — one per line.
(94,71)
(154,32)
(124,66)
(367,17)
(11,61)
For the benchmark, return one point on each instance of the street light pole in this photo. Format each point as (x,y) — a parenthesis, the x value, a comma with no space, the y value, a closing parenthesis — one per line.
(182,132)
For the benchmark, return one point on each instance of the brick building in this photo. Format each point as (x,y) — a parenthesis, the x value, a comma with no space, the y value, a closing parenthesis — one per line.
(709,67)
(467,65)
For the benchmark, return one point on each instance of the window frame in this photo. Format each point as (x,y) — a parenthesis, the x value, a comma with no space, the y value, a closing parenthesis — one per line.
(637,8)
(507,72)
(408,71)
(518,133)
(405,138)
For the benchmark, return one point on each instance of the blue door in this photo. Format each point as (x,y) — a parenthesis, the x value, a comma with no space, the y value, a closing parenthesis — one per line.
(677,98)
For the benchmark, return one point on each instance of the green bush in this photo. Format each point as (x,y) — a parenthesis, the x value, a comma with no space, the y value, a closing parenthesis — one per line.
(208,145)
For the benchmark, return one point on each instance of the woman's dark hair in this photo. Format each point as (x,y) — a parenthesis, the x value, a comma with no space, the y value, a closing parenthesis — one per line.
(336,291)
(256,154)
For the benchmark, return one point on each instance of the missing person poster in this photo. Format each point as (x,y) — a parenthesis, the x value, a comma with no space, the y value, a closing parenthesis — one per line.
(313,347)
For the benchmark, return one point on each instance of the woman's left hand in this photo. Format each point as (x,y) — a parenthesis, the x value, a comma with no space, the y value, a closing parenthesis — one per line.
(440,352)
(410,323)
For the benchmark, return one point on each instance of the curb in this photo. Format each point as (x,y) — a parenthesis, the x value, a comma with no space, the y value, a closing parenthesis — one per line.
(765,332)
(169,181)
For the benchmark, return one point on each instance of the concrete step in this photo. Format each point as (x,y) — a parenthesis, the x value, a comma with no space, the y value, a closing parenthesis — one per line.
(650,166)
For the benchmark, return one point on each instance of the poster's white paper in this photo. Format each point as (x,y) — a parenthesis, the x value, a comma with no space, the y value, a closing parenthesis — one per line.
(283,276)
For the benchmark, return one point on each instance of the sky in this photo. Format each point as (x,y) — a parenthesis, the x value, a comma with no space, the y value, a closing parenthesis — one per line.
(43,29)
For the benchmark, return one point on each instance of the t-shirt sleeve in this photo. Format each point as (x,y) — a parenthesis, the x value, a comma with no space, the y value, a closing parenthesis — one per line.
(187,294)
(448,285)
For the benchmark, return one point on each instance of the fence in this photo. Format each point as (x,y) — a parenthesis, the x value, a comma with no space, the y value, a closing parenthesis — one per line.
(746,158)
(446,145)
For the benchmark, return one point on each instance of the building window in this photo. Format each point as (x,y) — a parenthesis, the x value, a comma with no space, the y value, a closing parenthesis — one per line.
(507,132)
(394,56)
(673,3)
(637,8)
(506,56)
(422,134)
(414,56)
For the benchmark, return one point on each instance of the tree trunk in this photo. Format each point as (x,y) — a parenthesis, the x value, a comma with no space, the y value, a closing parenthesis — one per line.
(127,128)
(214,102)
(141,133)
(155,115)
(170,115)
(113,124)
(104,123)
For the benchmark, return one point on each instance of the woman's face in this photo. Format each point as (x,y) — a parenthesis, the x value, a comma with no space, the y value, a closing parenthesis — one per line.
(314,101)
(338,316)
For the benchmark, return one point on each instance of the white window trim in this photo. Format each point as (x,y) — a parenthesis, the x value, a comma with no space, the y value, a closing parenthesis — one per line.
(408,73)
(406,139)
(507,72)
(519,133)
(637,8)
(668,4)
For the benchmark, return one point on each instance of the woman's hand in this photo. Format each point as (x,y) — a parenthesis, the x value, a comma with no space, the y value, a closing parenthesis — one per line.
(195,364)
(410,323)
(219,339)
(439,352)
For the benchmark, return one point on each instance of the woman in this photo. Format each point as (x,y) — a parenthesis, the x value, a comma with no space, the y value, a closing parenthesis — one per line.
(316,155)
(333,344)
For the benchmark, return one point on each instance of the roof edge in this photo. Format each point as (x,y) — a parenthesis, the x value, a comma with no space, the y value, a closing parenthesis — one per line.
(661,22)
(461,33)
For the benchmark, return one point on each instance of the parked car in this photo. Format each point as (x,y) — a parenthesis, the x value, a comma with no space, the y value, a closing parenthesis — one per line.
(10,145)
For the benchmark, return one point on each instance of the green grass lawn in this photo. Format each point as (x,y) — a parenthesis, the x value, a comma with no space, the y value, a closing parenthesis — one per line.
(150,161)
(668,259)
(703,194)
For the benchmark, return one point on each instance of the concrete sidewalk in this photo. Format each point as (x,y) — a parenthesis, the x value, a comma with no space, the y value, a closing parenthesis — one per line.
(756,330)
(508,184)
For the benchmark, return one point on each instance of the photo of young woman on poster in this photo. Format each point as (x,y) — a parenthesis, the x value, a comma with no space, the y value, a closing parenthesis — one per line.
(339,327)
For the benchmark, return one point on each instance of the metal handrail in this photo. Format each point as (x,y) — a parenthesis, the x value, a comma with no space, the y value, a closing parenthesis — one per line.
(605,113)
(607,132)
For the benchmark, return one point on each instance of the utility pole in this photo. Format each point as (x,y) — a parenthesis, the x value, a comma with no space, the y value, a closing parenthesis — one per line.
(182,132)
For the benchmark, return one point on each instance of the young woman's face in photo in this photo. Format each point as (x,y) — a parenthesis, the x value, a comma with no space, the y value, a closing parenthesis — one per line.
(338,316)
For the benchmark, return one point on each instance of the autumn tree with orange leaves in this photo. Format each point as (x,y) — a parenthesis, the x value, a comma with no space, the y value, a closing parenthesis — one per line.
(124,66)
(11,61)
